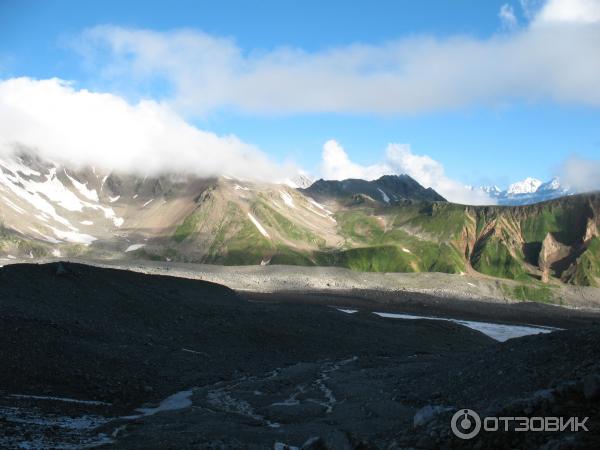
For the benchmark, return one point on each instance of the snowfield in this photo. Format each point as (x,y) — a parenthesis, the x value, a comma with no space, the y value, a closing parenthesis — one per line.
(496,331)
(47,195)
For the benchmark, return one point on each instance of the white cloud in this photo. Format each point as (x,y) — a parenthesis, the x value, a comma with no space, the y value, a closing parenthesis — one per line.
(399,159)
(554,62)
(89,128)
(580,174)
(569,11)
(336,165)
(507,17)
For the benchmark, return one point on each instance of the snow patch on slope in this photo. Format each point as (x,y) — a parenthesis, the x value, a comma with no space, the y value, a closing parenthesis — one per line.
(499,332)
(327,214)
(44,237)
(287,199)
(19,187)
(90,194)
(109,213)
(73,236)
(134,247)
(180,400)
(384,196)
(19,167)
(13,206)
(55,191)
(37,194)
(259,226)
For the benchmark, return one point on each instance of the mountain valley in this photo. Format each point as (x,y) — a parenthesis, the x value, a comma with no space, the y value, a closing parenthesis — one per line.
(389,225)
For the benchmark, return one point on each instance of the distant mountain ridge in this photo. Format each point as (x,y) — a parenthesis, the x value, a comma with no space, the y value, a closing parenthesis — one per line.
(388,189)
(528,191)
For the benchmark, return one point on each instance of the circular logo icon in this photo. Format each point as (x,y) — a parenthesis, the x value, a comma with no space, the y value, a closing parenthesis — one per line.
(465,423)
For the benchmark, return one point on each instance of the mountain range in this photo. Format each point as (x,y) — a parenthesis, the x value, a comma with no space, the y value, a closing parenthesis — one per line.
(528,191)
(393,224)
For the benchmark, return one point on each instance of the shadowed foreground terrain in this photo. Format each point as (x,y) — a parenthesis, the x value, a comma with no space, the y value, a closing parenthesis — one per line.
(94,356)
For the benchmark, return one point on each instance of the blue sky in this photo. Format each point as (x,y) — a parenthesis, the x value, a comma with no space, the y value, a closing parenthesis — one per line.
(483,138)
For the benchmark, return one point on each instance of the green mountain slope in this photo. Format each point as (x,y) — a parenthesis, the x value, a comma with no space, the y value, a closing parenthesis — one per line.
(388,225)
(586,270)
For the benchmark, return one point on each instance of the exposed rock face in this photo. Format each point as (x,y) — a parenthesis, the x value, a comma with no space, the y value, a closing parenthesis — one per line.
(591,231)
(583,268)
(551,251)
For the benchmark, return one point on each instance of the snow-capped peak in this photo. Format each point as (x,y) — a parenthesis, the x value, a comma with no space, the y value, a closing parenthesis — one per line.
(301,180)
(528,186)
(552,185)
(530,190)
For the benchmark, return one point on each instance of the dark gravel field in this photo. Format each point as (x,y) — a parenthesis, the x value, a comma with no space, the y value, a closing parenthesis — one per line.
(117,359)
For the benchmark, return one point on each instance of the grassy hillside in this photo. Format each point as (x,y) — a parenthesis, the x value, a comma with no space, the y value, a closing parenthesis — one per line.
(385,258)
(492,256)
(12,243)
(501,242)
(586,271)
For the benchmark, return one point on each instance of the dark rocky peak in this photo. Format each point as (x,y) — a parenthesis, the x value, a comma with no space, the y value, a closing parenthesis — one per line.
(388,189)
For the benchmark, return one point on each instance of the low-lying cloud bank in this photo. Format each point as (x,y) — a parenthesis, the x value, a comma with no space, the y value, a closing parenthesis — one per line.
(84,128)
(580,174)
(80,127)
(399,159)
(553,57)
